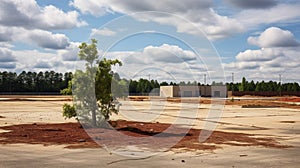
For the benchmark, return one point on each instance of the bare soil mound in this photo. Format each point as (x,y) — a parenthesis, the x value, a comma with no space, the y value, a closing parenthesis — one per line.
(74,136)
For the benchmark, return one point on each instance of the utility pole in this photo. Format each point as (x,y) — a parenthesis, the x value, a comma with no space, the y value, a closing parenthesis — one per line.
(205,79)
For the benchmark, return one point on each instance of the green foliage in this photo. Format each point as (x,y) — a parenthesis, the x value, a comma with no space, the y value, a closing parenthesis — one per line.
(165,83)
(91,88)
(89,53)
(48,81)
(263,86)
(103,83)
(68,90)
(243,85)
(143,86)
(69,111)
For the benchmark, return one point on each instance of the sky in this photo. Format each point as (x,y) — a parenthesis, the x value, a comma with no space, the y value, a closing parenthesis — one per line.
(165,40)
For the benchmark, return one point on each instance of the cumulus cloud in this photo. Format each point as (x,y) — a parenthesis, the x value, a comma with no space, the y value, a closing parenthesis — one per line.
(5,34)
(200,13)
(103,32)
(282,13)
(27,22)
(248,4)
(279,53)
(7,59)
(264,54)
(42,65)
(274,37)
(34,60)
(41,38)
(6,55)
(161,54)
(5,66)
(29,14)
(70,53)
(168,53)
(170,61)
(49,40)
(101,7)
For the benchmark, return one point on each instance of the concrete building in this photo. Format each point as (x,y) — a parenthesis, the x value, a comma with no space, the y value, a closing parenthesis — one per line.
(193,91)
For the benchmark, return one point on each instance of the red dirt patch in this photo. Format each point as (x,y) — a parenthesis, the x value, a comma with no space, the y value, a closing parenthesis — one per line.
(290,99)
(244,102)
(262,104)
(73,135)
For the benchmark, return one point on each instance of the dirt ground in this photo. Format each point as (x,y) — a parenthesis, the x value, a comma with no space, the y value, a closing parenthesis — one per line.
(286,102)
(73,135)
(252,132)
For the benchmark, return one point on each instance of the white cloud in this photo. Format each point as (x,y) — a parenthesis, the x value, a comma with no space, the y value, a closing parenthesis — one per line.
(168,53)
(70,53)
(282,13)
(199,13)
(6,55)
(248,4)
(42,65)
(34,60)
(27,22)
(103,32)
(5,34)
(169,61)
(4,66)
(274,37)
(29,14)
(97,8)
(101,7)
(264,54)
(277,56)
(7,59)
(41,38)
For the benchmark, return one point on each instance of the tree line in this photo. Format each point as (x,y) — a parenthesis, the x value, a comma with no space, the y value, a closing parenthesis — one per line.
(48,81)
(263,86)
(51,81)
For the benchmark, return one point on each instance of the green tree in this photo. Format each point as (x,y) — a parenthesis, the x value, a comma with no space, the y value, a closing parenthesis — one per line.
(133,86)
(68,90)
(164,83)
(243,85)
(251,86)
(103,88)
(92,87)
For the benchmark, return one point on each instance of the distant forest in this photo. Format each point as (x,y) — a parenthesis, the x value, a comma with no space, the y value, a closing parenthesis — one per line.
(40,82)
(263,86)
(54,82)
